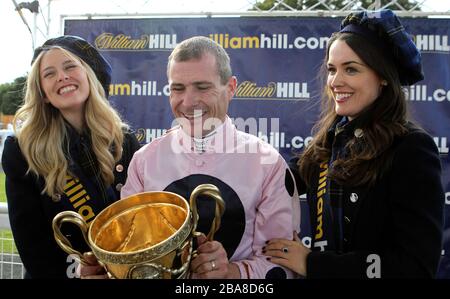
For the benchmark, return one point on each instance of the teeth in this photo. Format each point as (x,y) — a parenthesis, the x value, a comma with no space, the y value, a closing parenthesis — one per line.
(340,96)
(67,89)
(197,113)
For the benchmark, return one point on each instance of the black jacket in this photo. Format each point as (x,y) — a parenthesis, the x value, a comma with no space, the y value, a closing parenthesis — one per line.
(31,213)
(400,219)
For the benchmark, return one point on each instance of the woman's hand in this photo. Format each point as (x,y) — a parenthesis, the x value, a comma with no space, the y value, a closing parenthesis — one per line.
(288,253)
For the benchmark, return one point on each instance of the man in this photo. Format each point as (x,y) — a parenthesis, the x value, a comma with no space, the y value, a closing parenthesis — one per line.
(254,180)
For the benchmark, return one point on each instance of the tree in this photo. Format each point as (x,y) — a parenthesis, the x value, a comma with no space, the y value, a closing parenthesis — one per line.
(331,4)
(11,95)
(3,90)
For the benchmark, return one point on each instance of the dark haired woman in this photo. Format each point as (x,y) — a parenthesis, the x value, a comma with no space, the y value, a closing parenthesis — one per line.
(372,177)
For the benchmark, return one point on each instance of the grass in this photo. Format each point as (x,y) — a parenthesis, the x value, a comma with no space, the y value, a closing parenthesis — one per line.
(6,242)
(2,187)
(6,238)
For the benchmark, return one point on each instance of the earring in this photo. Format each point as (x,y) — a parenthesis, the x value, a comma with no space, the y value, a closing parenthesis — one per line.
(384,83)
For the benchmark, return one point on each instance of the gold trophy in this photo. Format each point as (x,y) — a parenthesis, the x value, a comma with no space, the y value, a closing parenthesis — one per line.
(146,235)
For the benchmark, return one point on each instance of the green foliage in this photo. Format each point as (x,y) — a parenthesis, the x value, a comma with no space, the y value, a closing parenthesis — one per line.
(268,4)
(3,90)
(330,4)
(11,95)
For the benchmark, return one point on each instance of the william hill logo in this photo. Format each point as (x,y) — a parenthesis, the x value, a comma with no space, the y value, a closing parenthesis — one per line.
(120,41)
(248,89)
(125,42)
(296,91)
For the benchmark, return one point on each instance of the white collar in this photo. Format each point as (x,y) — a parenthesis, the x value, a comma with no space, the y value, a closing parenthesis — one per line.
(208,143)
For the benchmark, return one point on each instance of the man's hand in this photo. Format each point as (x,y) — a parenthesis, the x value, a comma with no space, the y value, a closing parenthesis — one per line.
(212,261)
(94,270)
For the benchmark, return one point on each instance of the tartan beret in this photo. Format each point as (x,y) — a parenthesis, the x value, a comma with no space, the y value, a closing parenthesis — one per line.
(383,28)
(84,51)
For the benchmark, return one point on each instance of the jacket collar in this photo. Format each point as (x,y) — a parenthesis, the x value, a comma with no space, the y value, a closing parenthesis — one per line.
(345,128)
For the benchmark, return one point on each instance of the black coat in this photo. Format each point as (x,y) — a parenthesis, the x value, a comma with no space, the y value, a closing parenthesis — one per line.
(31,213)
(400,219)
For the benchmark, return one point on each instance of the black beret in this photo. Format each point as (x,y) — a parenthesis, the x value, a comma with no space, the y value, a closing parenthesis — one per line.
(384,28)
(84,51)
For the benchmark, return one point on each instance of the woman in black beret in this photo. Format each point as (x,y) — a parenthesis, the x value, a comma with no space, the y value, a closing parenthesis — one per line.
(372,177)
(70,151)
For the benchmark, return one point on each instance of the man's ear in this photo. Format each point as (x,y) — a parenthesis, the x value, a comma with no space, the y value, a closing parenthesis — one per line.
(232,86)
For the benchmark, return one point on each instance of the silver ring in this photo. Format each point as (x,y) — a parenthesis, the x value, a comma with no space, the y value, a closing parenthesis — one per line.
(285,249)
(213,265)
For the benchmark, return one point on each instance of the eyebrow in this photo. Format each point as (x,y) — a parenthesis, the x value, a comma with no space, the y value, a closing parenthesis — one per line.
(176,84)
(193,83)
(202,82)
(349,62)
(64,63)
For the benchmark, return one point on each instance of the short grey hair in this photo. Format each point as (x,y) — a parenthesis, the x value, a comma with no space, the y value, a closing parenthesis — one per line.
(195,47)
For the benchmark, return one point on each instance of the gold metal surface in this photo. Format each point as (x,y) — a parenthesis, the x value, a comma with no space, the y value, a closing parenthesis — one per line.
(146,235)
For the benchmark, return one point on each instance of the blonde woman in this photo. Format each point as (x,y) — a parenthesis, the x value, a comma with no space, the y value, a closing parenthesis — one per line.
(70,151)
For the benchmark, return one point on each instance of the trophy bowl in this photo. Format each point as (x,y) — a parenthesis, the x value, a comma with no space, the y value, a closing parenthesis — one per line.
(145,235)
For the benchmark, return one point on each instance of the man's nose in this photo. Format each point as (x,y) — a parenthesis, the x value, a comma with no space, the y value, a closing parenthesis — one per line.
(190,98)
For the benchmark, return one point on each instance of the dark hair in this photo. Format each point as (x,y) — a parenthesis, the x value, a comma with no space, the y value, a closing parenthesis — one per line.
(381,122)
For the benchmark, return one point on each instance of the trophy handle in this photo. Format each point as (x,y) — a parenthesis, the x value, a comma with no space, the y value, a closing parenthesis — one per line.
(211,191)
(61,240)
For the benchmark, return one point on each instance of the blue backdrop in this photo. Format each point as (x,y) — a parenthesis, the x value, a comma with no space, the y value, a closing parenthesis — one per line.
(276,61)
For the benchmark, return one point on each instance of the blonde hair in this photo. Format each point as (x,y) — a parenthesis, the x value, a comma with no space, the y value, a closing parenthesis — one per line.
(41,132)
